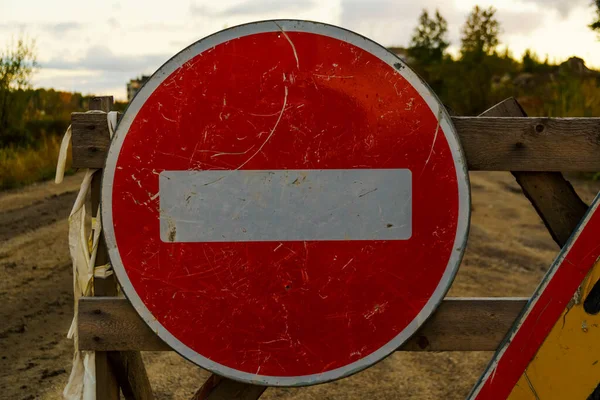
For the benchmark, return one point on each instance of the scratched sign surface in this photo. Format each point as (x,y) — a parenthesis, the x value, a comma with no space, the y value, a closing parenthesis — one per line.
(285,203)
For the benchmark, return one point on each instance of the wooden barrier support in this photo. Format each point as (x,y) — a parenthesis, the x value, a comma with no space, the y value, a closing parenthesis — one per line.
(115,371)
(501,139)
(490,143)
(552,196)
(459,324)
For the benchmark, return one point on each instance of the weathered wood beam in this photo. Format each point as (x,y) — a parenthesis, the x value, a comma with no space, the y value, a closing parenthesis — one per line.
(490,143)
(530,144)
(459,324)
(552,196)
(219,388)
(114,369)
(107,386)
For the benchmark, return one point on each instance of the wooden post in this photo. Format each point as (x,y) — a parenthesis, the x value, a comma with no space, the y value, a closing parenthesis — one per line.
(552,196)
(218,388)
(114,369)
(107,387)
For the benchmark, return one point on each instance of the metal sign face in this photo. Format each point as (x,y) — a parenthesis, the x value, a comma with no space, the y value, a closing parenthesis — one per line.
(554,348)
(285,203)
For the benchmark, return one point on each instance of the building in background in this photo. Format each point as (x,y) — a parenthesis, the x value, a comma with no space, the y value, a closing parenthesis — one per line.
(135,85)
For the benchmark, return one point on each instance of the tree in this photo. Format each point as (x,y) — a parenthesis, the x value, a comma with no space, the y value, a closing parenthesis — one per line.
(596,24)
(531,62)
(429,41)
(17,64)
(480,32)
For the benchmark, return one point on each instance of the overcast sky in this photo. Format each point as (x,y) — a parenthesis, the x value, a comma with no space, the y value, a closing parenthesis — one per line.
(97,46)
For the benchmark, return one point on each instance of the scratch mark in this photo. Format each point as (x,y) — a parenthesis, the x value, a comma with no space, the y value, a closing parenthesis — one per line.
(136,180)
(168,119)
(494,373)
(364,194)
(272,130)
(277,248)
(215,181)
(569,307)
(531,386)
(348,263)
(329,77)
(370,314)
(437,130)
(291,44)
(264,115)
(231,154)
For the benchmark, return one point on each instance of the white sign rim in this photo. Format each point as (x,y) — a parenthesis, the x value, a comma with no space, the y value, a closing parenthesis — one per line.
(291,26)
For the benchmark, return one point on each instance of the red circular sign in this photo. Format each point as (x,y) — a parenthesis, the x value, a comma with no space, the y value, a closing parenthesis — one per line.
(285,203)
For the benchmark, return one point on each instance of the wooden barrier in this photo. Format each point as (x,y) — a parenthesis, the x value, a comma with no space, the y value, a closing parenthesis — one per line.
(502,139)
(490,143)
(459,324)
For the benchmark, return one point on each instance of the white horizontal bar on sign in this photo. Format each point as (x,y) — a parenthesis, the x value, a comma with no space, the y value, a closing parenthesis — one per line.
(285,205)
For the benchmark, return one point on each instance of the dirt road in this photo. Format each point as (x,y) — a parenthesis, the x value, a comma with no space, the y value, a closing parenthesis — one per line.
(508,252)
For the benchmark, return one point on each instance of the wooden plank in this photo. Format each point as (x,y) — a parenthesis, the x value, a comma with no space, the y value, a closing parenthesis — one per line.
(131,374)
(102,103)
(467,324)
(124,370)
(107,387)
(490,143)
(219,388)
(107,324)
(91,140)
(530,144)
(552,196)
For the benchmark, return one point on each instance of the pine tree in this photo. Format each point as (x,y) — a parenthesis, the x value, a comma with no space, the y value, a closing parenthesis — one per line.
(429,41)
(596,24)
(480,32)
(531,62)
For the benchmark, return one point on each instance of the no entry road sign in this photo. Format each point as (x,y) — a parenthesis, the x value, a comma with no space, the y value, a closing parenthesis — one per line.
(285,202)
(553,350)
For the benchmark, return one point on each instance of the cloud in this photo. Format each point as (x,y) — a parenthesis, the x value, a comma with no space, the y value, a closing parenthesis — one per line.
(253,7)
(62,28)
(84,81)
(157,27)
(513,22)
(13,26)
(564,7)
(101,58)
(56,30)
(392,22)
(113,23)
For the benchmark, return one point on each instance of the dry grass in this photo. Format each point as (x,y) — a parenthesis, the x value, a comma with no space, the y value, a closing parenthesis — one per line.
(22,166)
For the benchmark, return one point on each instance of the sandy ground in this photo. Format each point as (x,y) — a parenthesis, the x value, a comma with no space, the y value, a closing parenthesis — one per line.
(509,250)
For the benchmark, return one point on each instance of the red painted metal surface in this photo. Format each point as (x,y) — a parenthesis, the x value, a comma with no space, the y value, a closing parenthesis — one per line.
(541,315)
(273,101)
